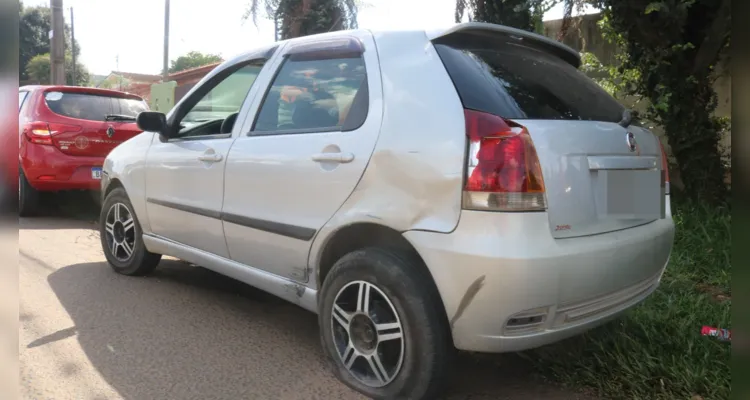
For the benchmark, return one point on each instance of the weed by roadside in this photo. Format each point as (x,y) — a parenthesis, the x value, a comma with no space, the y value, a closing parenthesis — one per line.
(655,351)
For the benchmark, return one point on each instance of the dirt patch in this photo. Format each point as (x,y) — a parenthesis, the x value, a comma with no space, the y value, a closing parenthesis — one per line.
(717,294)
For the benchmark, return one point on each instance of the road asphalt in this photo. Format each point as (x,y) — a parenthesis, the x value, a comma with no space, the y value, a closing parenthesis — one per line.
(86,333)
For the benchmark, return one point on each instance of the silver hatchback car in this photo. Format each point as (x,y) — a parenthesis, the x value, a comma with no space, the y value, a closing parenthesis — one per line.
(420,191)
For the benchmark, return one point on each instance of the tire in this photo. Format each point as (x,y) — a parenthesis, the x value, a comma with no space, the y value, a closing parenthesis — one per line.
(28,197)
(426,346)
(124,229)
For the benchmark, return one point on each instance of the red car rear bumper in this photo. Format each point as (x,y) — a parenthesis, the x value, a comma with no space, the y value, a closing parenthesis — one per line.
(48,169)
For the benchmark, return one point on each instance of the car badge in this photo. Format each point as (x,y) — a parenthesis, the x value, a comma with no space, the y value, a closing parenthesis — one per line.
(110,131)
(632,144)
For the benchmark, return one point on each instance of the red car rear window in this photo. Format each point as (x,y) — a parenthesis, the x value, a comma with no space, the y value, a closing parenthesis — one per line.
(92,107)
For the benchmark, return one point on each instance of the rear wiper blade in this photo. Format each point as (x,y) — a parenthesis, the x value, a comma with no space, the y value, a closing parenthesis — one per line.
(627,118)
(119,117)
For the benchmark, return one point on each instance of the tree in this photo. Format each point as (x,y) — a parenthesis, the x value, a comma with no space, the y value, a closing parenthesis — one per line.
(192,60)
(295,18)
(34,26)
(521,14)
(38,69)
(669,51)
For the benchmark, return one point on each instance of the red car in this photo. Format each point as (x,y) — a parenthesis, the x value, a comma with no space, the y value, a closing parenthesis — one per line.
(65,133)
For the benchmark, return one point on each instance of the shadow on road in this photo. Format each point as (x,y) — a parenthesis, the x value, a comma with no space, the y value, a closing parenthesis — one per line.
(66,210)
(187,332)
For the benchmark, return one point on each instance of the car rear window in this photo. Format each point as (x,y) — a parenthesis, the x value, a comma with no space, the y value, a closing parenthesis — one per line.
(21,99)
(514,81)
(92,106)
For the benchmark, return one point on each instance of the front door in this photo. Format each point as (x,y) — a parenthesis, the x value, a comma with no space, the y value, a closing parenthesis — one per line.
(299,160)
(185,176)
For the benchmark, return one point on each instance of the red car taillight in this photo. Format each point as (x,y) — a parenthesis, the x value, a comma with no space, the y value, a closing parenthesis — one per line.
(42,132)
(664,169)
(503,171)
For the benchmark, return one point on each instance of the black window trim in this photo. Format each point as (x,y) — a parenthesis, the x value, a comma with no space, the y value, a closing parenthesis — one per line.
(319,51)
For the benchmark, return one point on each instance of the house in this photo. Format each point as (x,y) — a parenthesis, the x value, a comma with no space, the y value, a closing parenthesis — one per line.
(188,78)
(141,84)
(135,83)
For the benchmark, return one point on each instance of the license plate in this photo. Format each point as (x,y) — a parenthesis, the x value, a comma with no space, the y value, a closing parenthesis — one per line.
(96,173)
(633,194)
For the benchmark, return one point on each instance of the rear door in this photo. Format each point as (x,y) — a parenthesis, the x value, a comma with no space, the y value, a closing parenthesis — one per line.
(90,124)
(600,176)
(301,157)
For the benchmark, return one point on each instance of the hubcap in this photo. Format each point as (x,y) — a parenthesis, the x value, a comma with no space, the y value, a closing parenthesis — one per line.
(119,232)
(367,333)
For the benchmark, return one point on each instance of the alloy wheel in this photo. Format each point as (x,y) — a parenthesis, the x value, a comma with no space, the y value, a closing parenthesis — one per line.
(119,232)
(367,333)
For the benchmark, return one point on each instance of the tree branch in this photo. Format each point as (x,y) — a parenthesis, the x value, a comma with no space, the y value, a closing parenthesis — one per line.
(715,39)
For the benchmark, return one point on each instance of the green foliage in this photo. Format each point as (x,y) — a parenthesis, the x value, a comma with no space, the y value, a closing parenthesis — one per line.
(193,59)
(521,14)
(669,50)
(38,69)
(114,82)
(599,73)
(655,351)
(34,26)
(295,18)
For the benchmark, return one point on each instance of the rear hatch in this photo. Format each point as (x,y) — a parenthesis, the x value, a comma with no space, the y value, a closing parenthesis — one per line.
(91,122)
(600,174)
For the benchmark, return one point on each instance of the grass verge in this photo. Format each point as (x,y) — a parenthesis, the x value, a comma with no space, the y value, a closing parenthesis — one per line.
(656,351)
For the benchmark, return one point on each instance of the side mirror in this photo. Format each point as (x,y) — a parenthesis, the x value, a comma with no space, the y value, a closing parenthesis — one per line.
(153,121)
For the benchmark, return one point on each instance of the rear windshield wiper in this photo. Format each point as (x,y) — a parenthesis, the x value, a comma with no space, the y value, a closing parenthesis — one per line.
(119,117)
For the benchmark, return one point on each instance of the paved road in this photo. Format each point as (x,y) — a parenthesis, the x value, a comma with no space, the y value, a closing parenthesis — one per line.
(184,333)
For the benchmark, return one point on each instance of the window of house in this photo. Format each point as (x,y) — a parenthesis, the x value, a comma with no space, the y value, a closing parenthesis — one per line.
(313,96)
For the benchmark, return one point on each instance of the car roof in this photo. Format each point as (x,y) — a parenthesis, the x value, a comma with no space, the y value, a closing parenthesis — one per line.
(80,89)
(552,46)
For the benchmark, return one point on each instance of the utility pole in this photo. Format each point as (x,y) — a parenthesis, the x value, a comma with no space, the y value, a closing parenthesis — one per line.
(73,44)
(57,43)
(165,68)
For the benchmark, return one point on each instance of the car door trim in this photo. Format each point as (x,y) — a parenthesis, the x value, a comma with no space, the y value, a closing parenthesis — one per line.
(292,231)
(186,208)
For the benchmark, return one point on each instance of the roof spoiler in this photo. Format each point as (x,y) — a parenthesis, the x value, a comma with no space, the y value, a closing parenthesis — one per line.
(542,42)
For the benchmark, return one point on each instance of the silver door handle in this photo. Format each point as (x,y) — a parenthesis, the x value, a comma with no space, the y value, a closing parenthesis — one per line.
(211,157)
(333,157)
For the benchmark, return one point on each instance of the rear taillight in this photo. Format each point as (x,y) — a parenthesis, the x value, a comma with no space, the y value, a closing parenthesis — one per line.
(664,169)
(503,171)
(42,132)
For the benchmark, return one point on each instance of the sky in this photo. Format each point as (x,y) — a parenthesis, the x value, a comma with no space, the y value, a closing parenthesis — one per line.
(128,35)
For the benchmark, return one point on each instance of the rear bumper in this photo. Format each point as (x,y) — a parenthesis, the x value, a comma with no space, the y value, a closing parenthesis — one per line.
(48,169)
(507,285)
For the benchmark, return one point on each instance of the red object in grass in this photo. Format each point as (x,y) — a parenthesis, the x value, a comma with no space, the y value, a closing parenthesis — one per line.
(724,335)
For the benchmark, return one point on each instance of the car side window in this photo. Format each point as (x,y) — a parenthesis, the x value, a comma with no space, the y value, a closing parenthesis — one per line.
(320,95)
(216,112)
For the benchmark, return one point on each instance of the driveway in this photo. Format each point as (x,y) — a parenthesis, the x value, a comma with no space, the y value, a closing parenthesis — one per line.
(182,333)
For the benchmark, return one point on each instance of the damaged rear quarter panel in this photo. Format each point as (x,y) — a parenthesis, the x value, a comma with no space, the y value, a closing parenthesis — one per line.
(414,177)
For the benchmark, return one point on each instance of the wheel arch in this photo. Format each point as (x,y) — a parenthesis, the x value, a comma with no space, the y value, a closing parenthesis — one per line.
(361,235)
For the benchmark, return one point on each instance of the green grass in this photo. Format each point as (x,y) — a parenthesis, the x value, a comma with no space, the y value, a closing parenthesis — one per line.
(656,351)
